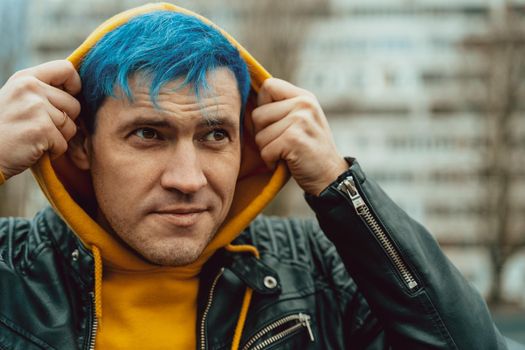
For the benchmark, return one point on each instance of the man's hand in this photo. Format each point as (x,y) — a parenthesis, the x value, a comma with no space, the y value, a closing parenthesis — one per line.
(37,112)
(290,125)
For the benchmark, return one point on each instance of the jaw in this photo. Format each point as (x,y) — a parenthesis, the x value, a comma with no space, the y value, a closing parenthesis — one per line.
(166,240)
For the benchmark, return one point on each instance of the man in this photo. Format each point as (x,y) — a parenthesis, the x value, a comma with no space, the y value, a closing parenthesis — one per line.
(152,242)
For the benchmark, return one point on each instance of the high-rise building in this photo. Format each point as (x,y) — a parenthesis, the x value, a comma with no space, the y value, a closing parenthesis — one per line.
(410,88)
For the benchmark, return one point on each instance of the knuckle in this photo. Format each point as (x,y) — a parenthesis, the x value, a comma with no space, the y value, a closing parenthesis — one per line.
(19,74)
(259,121)
(40,148)
(34,104)
(268,82)
(22,86)
(46,128)
(301,118)
(258,139)
(255,116)
(307,101)
(61,64)
(30,83)
(302,121)
(70,131)
(76,108)
(67,64)
(295,137)
(265,154)
(70,69)
(36,131)
(57,146)
(60,146)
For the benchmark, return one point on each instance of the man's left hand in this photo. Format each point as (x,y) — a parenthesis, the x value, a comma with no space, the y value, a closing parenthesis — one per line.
(290,125)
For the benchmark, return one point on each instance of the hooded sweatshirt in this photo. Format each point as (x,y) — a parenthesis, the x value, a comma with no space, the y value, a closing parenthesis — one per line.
(140,305)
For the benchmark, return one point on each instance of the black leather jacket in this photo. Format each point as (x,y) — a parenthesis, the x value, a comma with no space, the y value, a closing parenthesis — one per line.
(403,293)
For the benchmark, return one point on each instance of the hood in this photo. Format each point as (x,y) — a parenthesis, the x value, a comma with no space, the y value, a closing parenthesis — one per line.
(69,189)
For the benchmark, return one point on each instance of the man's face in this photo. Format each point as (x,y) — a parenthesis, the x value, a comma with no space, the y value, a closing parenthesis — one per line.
(164,178)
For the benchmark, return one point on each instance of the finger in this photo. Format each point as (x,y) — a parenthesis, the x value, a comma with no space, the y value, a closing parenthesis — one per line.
(272,132)
(63,101)
(65,125)
(69,129)
(61,74)
(52,141)
(267,114)
(272,153)
(57,145)
(274,89)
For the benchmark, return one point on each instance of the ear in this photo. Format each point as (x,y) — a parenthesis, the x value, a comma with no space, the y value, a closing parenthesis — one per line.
(78,148)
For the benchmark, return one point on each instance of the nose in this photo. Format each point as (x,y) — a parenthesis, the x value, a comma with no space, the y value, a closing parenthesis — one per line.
(183,171)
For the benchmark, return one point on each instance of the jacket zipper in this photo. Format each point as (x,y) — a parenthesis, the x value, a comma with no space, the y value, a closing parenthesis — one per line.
(348,187)
(302,321)
(207,309)
(94,324)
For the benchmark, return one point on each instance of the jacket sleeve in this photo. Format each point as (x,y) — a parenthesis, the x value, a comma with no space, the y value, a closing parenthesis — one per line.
(420,298)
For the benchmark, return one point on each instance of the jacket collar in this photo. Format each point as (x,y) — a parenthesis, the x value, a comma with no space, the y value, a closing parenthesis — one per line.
(77,259)
(256,274)
(250,270)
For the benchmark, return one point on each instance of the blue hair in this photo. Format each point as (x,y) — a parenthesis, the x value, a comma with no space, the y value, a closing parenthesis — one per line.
(164,46)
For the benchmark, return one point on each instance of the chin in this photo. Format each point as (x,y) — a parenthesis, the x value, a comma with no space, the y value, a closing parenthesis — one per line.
(170,254)
(172,261)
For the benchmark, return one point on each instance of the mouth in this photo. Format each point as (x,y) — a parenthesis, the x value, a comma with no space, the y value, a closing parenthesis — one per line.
(181,217)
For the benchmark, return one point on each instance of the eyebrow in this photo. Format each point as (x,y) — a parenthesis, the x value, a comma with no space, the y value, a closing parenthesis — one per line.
(153,121)
(205,121)
(214,121)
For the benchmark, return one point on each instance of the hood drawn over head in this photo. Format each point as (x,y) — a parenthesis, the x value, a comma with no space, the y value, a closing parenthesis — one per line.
(70,192)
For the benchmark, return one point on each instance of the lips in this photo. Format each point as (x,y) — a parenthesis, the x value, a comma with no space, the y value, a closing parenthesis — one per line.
(182,217)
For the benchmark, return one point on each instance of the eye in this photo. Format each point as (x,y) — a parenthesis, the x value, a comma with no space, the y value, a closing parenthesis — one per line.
(216,135)
(146,133)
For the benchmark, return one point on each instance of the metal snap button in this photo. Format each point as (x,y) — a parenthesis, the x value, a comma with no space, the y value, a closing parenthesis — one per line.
(75,254)
(270,282)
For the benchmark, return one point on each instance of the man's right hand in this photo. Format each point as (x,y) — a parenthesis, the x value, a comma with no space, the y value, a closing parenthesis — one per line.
(37,113)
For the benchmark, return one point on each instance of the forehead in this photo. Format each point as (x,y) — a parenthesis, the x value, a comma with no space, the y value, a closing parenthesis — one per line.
(220,98)
(221,84)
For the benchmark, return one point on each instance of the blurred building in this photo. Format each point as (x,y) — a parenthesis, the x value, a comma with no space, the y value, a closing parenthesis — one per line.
(402,92)
(406,96)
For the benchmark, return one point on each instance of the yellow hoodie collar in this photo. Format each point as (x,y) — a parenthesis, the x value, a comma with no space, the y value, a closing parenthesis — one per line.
(68,189)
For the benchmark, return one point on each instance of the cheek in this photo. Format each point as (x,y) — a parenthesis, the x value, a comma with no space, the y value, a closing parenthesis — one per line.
(222,173)
(109,192)
(119,178)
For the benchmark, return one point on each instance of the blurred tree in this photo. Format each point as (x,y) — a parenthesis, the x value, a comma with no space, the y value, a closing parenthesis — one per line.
(274,31)
(13,39)
(502,50)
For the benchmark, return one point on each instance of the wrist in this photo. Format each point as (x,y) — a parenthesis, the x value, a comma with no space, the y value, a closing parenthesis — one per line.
(332,173)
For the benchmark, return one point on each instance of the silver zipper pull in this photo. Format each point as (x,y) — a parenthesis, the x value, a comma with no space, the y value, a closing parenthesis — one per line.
(347,186)
(305,321)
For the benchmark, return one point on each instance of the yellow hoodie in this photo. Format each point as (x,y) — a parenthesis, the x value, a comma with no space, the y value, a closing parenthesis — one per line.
(140,305)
